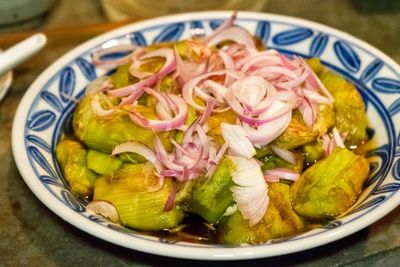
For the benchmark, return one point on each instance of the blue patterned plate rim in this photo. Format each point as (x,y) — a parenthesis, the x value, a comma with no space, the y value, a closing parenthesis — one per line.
(186,251)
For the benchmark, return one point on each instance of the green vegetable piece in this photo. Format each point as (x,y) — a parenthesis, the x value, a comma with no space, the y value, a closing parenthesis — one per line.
(329,187)
(215,121)
(72,157)
(325,119)
(151,65)
(104,133)
(235,230)
(102,163)
(270,160)
(121,77)
(279,220)
(192,50)
(296,134)
(128,157)
(191,115)
(210,198)
(153,47)
(315,65)
(351,118)
(313,152)
(169,85)
(133,191)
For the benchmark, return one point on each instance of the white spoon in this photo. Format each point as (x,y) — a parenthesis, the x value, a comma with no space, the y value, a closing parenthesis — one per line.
(17,54)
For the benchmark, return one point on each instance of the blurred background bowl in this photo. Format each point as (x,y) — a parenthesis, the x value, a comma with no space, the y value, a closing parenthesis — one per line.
(22,13)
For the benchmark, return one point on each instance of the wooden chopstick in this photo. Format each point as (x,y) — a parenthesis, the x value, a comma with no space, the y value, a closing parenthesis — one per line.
(63,34)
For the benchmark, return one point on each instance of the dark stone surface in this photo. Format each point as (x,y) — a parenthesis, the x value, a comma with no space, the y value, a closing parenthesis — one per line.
(31,235)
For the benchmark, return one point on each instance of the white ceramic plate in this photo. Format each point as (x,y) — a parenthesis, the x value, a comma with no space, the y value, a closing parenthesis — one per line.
(45,108)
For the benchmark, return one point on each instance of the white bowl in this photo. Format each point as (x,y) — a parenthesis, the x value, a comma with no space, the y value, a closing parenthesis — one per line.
(43,111)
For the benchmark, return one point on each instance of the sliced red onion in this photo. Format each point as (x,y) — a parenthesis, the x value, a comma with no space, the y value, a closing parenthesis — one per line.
(237,139)
(308,111)
(163,125)
(140,149)
(235,34)
(190,87)
(271,178)
(250,91)
(180,68)
(326,141)
(239,62)
(203,94)
(229,65)
(162,99)
(287,63)
(217,90)
(163,157)
(281,109)
(227,59)
(100,84)
(233,49)
(284,173)
(171,198)
(291,84)
(133,96)
(251,192)
(227,24)
(207,112)
(135,71)
(215,63)
(313,78)
(99,110)
(268,132)
(254,93)
(331,146)
(271,72)
(131,89)
(168,67)
(184,160)
(214,163)
(205,142)
(105,209)
(212,152)
(284,154)
(170,173)
(262,60)
(133,49)
(180,150)
(315,97)
(162,113)
(337,138)
(196,161)
(70,97)
(185,70)
(191,158)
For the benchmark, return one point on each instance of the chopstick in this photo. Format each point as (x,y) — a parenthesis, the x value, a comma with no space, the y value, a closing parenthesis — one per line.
(62,34)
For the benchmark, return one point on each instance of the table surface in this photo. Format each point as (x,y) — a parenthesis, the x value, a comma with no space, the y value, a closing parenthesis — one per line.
(31,235)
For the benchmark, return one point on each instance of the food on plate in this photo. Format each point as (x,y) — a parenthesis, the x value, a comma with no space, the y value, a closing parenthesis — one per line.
(329,187)
(216,139)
